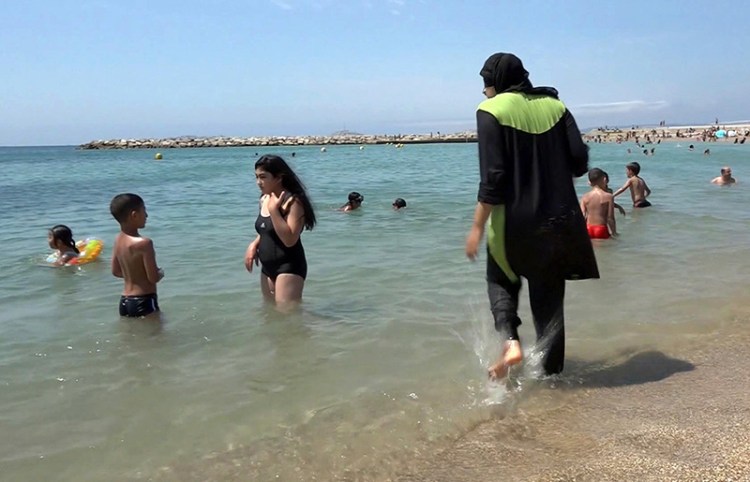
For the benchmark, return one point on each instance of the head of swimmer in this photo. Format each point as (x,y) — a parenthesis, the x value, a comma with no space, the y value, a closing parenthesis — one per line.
(273,175)
(399,203)
(598,178)
(726,173)
(61,237)
(354,201)
(632,169)
(129,210)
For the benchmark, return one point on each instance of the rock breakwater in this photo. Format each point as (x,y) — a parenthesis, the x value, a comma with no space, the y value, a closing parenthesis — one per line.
(225,141)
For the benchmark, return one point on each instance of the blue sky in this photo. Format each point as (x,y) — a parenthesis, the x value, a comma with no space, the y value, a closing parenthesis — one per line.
(72,71)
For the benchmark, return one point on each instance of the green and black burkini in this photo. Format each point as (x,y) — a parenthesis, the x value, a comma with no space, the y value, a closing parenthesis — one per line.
(529,151)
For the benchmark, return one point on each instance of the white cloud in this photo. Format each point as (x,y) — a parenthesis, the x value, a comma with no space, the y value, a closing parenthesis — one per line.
(620,107)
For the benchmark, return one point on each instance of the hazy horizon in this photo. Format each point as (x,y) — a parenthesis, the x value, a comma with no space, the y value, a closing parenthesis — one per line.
(583,129)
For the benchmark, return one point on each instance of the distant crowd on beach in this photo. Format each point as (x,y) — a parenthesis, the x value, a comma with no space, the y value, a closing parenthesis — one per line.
(737,134)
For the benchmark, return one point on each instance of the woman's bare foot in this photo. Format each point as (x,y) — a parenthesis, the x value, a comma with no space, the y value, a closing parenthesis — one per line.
(511,355)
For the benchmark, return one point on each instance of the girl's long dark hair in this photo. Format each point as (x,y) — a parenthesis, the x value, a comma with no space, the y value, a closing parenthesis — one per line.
(63,233)
(277,167)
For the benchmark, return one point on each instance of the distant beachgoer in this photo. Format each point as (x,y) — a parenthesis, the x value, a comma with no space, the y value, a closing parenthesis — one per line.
(639,190)
(60,238)
(134,257)
(354,202)
(707,152)
(598,207)
(726,177)
(285,211)
(609,190)
(399,203)
(691,147)
(536,228)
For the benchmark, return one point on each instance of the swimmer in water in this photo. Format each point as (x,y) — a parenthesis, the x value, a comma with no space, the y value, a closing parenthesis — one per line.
(598,207)
(726,178)
(354,202)
(639,190)
(60,238)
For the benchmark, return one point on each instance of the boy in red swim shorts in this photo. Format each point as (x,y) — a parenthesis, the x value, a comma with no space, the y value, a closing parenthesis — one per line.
(598,207)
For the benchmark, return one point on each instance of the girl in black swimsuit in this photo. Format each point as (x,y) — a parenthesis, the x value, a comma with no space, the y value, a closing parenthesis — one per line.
(285,210)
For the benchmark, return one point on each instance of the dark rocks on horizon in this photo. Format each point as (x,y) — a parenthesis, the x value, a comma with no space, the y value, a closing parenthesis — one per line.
(337,138)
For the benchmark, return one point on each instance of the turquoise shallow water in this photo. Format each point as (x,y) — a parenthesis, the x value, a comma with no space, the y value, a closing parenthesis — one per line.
(387,355)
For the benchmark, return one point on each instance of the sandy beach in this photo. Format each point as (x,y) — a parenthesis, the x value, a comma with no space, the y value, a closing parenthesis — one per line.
(656,415)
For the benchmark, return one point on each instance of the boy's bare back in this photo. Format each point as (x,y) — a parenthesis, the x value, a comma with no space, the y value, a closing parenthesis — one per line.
(597,206)
(638,189)
(134,260)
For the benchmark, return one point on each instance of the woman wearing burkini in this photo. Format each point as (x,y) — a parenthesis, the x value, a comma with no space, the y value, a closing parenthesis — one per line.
(529,150)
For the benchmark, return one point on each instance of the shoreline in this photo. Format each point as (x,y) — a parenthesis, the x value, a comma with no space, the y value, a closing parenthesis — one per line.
(735,133)
(659,411)
(664,413)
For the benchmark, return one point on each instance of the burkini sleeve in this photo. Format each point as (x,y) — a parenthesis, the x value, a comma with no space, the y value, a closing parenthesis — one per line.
(492,162)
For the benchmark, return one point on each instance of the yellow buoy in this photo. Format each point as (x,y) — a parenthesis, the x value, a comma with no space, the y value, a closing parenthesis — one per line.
(157,156)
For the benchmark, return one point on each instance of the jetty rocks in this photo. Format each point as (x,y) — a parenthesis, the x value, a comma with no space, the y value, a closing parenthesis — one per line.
(225,141)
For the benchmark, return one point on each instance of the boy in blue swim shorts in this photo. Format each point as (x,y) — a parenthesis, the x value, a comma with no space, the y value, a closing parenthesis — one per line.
(639,190)
(134,258)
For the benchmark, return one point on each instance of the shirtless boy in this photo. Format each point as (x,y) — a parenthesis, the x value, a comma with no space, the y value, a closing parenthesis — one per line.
(639,191)
(598,207)
(609,190)
(726,177)
(134,258)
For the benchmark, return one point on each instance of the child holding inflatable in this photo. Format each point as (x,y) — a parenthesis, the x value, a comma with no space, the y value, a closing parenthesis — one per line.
(60,238)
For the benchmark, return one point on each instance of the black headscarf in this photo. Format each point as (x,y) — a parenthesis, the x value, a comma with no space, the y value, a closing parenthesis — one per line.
(505,73)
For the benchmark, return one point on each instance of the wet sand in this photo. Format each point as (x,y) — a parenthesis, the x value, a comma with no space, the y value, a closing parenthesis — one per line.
(659,414)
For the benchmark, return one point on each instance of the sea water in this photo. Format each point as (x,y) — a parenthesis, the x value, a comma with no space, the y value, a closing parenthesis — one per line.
(387,356)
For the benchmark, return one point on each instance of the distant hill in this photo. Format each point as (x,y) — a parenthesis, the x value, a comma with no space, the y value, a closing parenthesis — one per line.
(345,133)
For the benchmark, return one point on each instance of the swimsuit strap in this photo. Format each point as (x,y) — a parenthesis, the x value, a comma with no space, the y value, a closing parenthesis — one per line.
(284,201)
